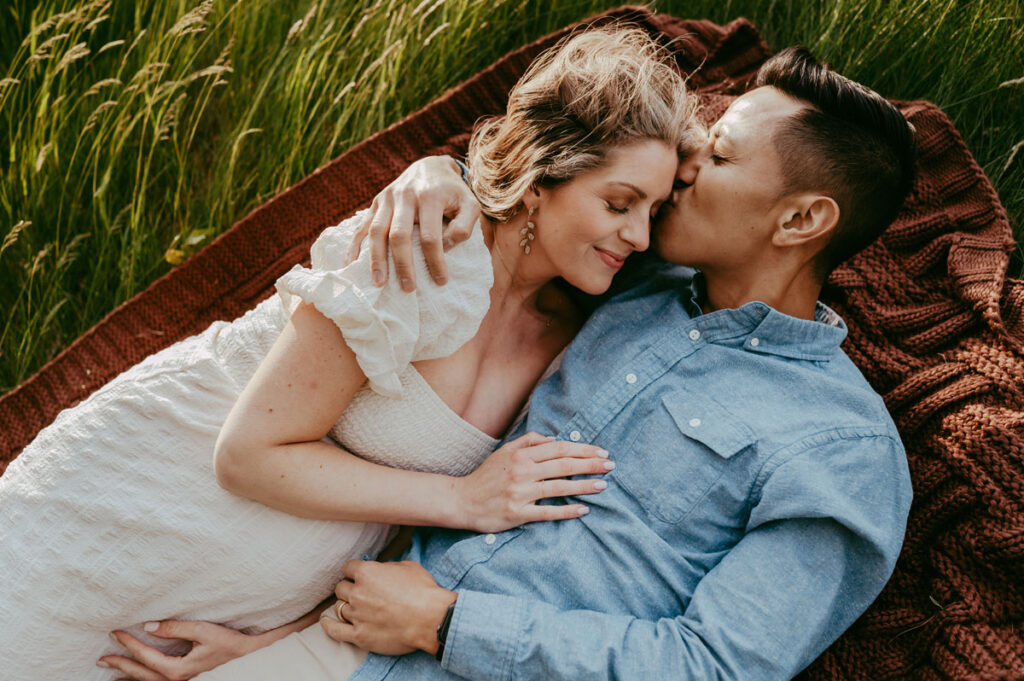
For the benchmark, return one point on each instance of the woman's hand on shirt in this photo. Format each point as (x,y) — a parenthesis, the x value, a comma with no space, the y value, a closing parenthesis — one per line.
(427,193)
(502,493)
(212,645)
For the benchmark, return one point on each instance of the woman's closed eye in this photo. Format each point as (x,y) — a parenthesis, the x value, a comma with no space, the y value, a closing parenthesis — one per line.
(621,210)
(719,159)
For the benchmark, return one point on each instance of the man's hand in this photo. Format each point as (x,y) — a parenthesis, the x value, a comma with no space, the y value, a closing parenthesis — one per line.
(427,193)
(388,608)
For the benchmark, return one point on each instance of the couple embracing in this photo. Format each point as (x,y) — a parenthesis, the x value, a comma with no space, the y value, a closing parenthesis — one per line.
(703,484)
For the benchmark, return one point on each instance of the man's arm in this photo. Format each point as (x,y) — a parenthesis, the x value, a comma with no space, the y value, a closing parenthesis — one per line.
(817,551)
(428,193)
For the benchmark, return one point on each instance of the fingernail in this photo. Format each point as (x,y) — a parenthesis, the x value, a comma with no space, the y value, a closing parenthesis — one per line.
(378,277)
(406,284)
(603,453)
(609,465)
(114,638)
(101,663)
(441,281)
(151,626)
(447,243)
(600,484)
(584,510)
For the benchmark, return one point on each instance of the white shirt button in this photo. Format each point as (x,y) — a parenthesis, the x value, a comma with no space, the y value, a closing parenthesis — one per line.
(490,539)
(754,342)
(630,378)
(575,436)
(694,423)
(694,334)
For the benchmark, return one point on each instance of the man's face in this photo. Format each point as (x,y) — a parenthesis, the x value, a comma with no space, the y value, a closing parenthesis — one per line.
(723,217)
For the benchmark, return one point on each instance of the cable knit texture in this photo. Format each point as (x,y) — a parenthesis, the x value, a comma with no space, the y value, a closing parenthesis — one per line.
(935,324)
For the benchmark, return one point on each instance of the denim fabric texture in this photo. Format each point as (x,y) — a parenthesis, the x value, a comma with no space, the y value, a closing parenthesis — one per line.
(757,507)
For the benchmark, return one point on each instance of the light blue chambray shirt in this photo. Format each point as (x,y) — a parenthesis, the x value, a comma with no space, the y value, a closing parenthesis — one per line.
(757,508)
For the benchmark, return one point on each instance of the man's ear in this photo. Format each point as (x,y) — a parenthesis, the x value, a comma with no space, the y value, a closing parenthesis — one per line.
(805,217)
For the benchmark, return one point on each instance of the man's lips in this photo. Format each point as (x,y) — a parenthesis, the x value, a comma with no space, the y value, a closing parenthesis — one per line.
(611,259)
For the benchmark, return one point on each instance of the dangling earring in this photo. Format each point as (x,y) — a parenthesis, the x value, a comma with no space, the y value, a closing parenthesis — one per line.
(527,232)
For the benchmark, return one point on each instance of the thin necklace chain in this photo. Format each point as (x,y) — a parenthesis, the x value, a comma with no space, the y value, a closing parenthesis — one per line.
(550,318)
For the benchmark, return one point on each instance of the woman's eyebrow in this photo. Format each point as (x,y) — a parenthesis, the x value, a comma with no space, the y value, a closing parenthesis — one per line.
(639,192)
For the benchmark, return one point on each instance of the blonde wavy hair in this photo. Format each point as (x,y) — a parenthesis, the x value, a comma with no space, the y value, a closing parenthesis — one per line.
(592,91)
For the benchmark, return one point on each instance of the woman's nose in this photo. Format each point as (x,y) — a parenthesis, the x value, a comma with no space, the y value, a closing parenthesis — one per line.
(637,233)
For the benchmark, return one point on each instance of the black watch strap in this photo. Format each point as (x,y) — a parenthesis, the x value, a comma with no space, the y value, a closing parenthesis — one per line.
(464,168)
(442,631)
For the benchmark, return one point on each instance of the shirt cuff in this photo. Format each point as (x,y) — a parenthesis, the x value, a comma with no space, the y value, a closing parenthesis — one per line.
(484,633)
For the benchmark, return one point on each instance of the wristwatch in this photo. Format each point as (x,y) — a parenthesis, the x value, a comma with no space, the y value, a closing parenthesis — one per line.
(464,169)
(442,631)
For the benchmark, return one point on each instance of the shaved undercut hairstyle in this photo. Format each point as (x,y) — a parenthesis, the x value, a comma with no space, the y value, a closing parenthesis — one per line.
(849,143)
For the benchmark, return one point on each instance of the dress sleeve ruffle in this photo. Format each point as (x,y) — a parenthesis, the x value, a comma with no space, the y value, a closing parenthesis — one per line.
(385,327)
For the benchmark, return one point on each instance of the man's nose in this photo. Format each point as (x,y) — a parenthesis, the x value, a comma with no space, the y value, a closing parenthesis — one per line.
(690,166)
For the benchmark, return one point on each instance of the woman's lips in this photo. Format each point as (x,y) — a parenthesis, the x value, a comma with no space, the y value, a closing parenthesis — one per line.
(610,259)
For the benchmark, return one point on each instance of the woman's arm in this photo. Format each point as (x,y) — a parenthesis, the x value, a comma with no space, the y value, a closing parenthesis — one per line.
(212,646)
(270,447)
(270,450)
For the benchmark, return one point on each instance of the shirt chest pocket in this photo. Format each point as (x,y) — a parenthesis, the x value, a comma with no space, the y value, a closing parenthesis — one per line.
(682,448)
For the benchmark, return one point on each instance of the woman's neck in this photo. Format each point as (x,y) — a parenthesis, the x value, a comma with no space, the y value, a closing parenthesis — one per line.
(519,278)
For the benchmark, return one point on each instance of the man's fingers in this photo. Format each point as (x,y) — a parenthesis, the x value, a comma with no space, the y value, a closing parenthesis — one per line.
(132,668)
(150,657)
(565,467)
(400,241)
(344,590)
(462,222)
(431,214)
(357,238)
(339,631)
(378,231)
(560,448)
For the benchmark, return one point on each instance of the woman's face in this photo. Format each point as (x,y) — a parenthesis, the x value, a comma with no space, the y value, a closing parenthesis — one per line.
(587,226)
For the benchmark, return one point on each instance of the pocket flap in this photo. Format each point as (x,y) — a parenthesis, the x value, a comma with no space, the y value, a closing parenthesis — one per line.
(706,421)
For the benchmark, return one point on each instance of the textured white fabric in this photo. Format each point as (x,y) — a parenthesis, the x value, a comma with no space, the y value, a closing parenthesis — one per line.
(386,327)
(113,516)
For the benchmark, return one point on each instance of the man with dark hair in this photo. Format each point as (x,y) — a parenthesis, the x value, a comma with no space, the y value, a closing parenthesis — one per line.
(761,490)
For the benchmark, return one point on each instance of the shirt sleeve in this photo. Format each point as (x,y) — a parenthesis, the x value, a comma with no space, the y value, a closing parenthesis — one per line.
(806,568)
(386,327)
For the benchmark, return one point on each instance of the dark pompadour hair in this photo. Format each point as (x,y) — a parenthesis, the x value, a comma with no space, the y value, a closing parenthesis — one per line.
(849,143)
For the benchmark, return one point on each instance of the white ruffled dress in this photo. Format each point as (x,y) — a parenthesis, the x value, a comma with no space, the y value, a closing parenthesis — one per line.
(113,517)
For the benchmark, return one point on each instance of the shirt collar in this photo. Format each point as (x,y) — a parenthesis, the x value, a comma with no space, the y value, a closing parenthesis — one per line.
(766,330)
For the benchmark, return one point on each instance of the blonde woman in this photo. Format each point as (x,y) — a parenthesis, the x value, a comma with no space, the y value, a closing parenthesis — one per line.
(113,516)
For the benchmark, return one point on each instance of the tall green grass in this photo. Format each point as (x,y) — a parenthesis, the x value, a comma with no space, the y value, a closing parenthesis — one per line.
(132,133)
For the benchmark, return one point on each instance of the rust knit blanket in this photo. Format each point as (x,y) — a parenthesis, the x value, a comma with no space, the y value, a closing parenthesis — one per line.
(935,326)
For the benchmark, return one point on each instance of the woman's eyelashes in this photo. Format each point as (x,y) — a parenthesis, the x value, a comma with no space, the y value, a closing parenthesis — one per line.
(616,209)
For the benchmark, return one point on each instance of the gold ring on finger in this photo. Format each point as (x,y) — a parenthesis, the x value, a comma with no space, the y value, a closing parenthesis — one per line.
(341,616)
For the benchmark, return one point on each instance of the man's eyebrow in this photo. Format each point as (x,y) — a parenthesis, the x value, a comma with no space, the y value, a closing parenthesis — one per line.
(639,192)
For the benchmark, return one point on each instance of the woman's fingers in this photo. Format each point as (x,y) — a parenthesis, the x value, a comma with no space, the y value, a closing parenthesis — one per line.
(131,668)
(548,512)
(557,449)
(547,489)
(339,631)
(566,467)
(147,655)
(182,629)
